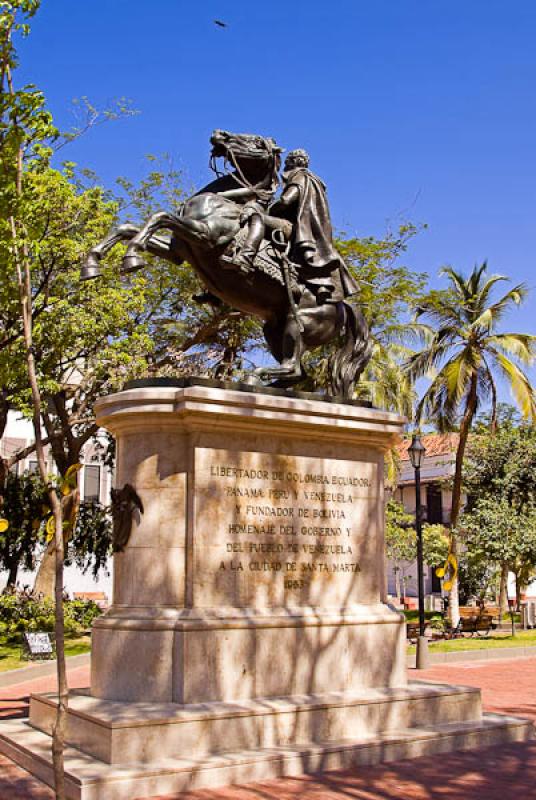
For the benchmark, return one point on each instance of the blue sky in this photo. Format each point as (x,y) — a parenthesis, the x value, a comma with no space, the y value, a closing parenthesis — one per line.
(420,107)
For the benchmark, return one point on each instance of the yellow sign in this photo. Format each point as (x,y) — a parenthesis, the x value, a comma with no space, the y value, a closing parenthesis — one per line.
(452,563)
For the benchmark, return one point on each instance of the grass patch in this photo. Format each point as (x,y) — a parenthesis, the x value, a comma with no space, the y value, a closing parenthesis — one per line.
(10,654)
(494,640)
(413,616)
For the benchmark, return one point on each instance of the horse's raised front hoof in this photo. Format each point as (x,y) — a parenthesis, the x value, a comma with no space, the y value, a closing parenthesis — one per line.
(132,263)
(91,268)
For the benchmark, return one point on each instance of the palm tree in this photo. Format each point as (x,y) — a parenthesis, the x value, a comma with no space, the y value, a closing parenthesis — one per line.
(465,353)
(385,382)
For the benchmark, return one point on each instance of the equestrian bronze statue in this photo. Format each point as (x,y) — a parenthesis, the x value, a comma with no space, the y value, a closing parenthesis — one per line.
(272,257)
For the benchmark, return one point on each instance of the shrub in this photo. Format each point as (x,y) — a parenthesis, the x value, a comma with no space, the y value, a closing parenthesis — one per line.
(22,611)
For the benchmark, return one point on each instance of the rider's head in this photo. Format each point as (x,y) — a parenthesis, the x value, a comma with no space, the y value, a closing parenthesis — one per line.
(296,158)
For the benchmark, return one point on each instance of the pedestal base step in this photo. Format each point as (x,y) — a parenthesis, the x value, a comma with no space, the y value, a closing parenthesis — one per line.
(118,732)
(90,779)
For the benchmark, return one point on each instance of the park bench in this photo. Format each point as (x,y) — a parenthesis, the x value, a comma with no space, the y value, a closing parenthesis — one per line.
(492,611)
(481,625)
(412,631)
(473,620)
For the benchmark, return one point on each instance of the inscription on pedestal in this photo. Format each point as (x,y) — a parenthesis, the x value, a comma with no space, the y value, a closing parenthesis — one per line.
(283,529)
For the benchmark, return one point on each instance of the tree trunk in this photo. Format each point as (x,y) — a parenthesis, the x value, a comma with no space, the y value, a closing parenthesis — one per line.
(46,574)
(60,724)
(22,263)
(4,465)
(3,478)
(465,427)
(503,591)
(65,450)
(12,576)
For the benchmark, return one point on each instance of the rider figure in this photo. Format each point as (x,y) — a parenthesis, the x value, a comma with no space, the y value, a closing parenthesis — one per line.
(304,203)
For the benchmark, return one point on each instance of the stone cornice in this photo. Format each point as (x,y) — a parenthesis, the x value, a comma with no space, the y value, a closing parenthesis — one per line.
(202,408)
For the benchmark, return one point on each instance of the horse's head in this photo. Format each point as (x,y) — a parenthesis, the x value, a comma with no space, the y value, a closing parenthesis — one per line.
(256,158)
(243,146)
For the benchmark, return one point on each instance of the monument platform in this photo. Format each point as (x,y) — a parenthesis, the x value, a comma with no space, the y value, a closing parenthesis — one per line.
(249,635)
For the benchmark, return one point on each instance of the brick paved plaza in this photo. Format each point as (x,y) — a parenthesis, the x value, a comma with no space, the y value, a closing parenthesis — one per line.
(497,773)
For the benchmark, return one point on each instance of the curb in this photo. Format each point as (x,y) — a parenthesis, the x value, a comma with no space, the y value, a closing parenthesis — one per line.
(14,676)
(492,654)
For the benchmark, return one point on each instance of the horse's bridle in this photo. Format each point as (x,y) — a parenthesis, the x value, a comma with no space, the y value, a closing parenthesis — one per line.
(230,159)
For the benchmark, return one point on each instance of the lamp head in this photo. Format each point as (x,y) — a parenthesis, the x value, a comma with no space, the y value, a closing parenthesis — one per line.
(416,451)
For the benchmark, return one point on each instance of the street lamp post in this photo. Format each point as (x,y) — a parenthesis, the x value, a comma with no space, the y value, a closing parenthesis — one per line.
(416,453)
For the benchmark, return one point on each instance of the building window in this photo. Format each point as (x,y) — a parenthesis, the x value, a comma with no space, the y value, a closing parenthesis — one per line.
(434,504)
(33,467)
(92,482)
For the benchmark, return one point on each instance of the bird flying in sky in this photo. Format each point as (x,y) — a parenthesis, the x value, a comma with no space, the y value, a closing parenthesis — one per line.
(220,23)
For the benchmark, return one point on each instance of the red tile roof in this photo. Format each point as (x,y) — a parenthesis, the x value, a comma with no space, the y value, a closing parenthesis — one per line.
(437,444)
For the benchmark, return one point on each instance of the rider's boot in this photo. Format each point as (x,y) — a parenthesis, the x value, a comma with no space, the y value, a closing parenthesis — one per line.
(245,260)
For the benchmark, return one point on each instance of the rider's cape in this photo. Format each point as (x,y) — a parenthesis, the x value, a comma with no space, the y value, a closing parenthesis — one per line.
(313,236)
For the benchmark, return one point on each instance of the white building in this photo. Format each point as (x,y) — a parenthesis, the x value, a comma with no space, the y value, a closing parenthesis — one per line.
(436,500)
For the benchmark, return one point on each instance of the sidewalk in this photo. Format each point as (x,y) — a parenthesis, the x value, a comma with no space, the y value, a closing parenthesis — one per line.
(16,783)
(38,669)
(497,773)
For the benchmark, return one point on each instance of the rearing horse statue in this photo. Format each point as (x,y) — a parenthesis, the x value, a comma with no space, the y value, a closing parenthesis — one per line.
(208,231)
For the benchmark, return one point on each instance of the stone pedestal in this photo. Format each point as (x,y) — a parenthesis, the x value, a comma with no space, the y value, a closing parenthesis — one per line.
(249,634)
(259,554)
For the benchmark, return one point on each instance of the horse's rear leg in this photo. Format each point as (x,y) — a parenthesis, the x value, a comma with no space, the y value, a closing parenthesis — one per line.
(285,340)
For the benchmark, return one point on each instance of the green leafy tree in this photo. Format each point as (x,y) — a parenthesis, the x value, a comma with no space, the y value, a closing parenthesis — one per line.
(500,478)
(91,543)
(400,542)
(25,125)
(494,531)
(86,338)
(476,577)
(22,510)
(387,288)
(503,416)
(465,352)
(435,544)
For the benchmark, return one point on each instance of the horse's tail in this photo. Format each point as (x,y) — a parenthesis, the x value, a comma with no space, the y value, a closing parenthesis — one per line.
(349,361)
